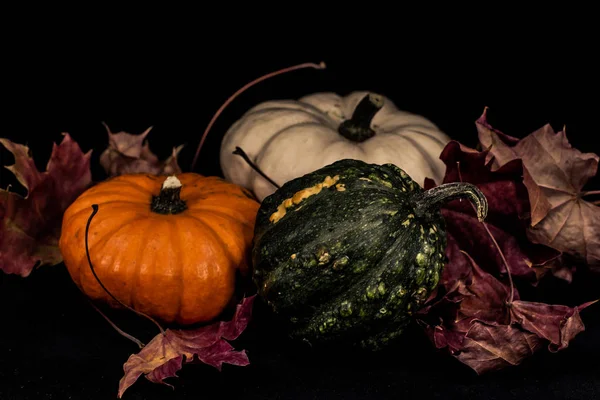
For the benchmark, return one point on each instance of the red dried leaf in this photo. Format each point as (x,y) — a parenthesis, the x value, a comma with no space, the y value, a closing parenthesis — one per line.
(554,174)
(165,354)
(130,154)
(479,325)
(484,298)
(30,226)
(556,323)
(507,220)
(493,347)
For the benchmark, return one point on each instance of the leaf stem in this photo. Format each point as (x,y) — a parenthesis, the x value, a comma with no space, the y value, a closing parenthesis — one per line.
(512,286)
(244,88)
(87,253)
(590,193)
(239,152)
(121,332)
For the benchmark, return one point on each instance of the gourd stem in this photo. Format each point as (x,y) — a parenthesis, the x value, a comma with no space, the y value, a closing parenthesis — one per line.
(430,200)
(89,259)
(321,65)
(239,152)
(358,128)
(168,200)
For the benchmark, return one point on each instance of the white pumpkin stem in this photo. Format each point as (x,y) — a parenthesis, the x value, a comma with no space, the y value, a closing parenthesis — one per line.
(321,65)
(358,127)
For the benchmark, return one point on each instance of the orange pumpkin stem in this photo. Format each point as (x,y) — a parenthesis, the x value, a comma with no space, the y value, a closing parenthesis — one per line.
(168,200)
(321,65)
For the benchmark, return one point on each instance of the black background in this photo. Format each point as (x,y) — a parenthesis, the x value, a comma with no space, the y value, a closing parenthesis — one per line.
(54,345)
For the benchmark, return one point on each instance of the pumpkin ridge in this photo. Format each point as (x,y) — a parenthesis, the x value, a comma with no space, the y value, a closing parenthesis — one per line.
(216,211)
(109,185)
(143,234)
(103,192)
(98,247)
(129,204)
(178,249)
(314,113)
(424,152)
(390,130)
(207,196)
(286,130)
(215,235)
(132,183)
(435,139)
(239,246)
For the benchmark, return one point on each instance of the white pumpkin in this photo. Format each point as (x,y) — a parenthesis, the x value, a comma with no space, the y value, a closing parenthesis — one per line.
(288,138)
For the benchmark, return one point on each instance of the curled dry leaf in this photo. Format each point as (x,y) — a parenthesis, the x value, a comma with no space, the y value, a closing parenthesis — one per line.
(507,220)
(485,325)
(554,174)
(166,354)
(30,225)
(130,154)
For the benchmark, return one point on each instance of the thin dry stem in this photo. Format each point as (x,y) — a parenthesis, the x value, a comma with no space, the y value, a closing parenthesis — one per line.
(512,286)
(115,327)
(240,152)
(590,193)
(243,89)
(87,252)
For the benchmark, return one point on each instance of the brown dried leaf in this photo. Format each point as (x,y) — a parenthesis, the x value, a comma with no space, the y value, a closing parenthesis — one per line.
(130,154)
(554,174)
(30,226)
(165,354)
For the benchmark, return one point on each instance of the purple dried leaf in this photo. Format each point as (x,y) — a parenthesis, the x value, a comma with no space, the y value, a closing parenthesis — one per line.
(30,226)
(165,355)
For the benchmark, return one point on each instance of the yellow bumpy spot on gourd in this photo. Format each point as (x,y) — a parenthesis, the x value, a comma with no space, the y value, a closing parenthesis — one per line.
(301,195)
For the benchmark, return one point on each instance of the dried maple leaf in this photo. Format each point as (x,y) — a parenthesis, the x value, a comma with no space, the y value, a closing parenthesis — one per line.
(166,353)
(556,323)
(507,220)
(130,154)
(484,324)
(30,225)
(492,347)
(554,174)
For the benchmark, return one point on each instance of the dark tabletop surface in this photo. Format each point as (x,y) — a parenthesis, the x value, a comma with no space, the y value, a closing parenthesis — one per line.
(53,345)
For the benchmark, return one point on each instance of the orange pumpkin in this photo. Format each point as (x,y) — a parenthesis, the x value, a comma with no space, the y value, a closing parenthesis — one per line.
(168,247)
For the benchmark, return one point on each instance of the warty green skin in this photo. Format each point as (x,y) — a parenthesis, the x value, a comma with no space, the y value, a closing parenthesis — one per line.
(349,265)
